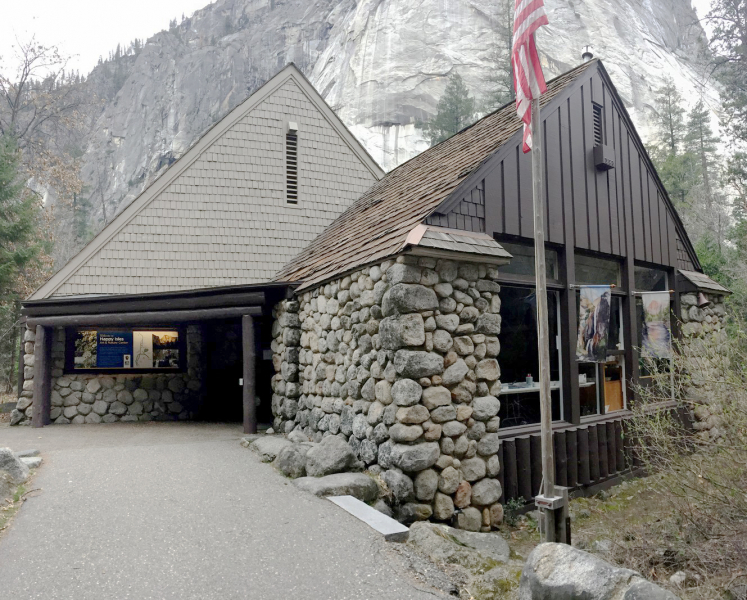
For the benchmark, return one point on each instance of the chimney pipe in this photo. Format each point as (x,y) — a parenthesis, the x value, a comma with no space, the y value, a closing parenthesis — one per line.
(587,55)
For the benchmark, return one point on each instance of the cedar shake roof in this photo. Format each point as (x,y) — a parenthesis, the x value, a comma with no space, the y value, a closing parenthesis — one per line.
(701,281)
(378,224)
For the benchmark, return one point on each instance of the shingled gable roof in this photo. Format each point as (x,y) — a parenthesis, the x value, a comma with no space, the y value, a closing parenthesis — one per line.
(378,224)
(198,148)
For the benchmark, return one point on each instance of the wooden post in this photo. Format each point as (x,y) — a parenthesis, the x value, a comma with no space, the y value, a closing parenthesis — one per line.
(538,193)
(42,376)
(21,378)
(250,360)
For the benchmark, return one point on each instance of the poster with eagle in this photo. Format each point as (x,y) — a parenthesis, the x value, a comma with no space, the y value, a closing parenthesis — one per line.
(593,323)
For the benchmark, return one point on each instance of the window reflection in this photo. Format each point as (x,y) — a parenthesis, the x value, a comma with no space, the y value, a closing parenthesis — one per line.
(520,357)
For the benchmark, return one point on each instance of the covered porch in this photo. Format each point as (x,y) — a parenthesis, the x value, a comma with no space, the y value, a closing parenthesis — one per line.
(186,355)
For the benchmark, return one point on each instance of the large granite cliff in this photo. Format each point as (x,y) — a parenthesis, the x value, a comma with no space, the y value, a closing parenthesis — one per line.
(381,64)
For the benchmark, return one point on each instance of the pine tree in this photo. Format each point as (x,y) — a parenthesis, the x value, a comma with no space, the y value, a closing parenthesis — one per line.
(670,120)
(501,81)
(701,143)
(16,218)
(456,110)
(729,46)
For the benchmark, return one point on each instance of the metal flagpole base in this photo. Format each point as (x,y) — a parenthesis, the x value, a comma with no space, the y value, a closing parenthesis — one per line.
(554,511)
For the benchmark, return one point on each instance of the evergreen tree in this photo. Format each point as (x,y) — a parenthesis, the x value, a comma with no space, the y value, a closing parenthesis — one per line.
(701,144)
(456,110)
(501,81)
(16,218)
(670,120)
(729,46)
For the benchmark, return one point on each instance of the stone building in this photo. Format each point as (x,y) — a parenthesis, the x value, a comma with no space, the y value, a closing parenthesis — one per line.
(405,325)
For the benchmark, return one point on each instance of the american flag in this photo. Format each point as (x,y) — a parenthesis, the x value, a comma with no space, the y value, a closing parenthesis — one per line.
(529,82)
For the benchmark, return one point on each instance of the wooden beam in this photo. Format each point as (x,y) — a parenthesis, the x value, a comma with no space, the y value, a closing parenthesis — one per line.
(113,304)
(250,361)
(524,467)
(144,318)
(42,376)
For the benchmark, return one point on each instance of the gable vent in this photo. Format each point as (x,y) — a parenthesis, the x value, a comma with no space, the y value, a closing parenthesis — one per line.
(598,132)
(291,164)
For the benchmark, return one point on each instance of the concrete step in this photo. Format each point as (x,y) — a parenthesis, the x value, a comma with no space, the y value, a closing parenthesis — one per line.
(393,531)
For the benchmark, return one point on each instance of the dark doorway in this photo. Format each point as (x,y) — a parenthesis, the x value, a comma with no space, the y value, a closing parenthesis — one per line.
(224,398)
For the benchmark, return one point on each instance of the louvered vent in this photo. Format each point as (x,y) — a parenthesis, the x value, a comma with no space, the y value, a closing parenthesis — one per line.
(291,166)
(598,131)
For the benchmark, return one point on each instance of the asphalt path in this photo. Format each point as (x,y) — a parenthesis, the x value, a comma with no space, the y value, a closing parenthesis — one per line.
(165,510)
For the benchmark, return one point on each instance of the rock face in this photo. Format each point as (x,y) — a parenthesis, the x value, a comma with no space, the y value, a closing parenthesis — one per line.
(470,549)
(375,390)
(562,572)
(10,464)
(376,64)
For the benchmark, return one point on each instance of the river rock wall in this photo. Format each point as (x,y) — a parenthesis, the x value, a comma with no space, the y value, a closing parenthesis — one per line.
(703,350)
(400,360)
(106,397)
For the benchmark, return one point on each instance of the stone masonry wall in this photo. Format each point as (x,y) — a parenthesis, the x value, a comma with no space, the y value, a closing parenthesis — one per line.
(97,398)
(704,342)
(399,359)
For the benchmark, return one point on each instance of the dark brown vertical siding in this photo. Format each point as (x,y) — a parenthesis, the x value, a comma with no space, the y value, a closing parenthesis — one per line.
(600,185)
(511,193)
(663,231)
(553,159)
(636,203)
(611,175)
(672,235)
(567,173)
(589,170)
(653,198)
(494,201)
(578,173)
(525,192)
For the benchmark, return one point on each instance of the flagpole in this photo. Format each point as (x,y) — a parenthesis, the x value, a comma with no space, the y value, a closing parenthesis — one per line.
(543,342)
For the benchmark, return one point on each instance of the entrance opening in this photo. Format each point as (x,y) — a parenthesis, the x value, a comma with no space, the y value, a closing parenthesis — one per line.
(224,397)
(223,352)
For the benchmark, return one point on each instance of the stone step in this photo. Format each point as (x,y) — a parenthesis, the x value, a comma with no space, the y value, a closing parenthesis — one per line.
(393,531)
(32,462)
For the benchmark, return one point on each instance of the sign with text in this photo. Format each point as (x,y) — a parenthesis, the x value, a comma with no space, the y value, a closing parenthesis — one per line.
(94,349)
(113,349)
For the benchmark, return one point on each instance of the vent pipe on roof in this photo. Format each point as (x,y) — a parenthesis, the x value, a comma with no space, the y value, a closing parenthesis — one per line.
(587,55)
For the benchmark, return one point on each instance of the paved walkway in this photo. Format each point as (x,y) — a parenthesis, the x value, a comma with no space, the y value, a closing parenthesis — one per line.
(180,511)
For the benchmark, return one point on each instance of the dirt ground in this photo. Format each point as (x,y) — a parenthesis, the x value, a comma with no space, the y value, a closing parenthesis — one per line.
(612,523)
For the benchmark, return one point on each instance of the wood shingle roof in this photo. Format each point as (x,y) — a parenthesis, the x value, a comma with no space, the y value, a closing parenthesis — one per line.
(378,224)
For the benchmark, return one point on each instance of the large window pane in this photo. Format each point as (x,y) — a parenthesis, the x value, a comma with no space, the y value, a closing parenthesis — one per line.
(591,270)
(650,280)
(522,262)
(519,356)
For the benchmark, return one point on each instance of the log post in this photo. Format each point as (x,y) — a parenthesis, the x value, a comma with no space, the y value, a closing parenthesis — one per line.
(250,360)
(42,376)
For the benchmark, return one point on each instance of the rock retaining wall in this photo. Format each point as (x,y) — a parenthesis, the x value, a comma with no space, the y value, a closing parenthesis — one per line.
(703,347)
(97,398)
(400,360)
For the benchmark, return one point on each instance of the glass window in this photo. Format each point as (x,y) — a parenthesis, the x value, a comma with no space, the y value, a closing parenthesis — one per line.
(650,280)
(591,270)
(612,393)
(519,357)
(123,350)
(522,262)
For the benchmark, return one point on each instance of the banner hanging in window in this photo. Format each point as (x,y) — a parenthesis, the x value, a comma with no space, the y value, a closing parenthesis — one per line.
(97,349)
(656,332)
(593,323)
